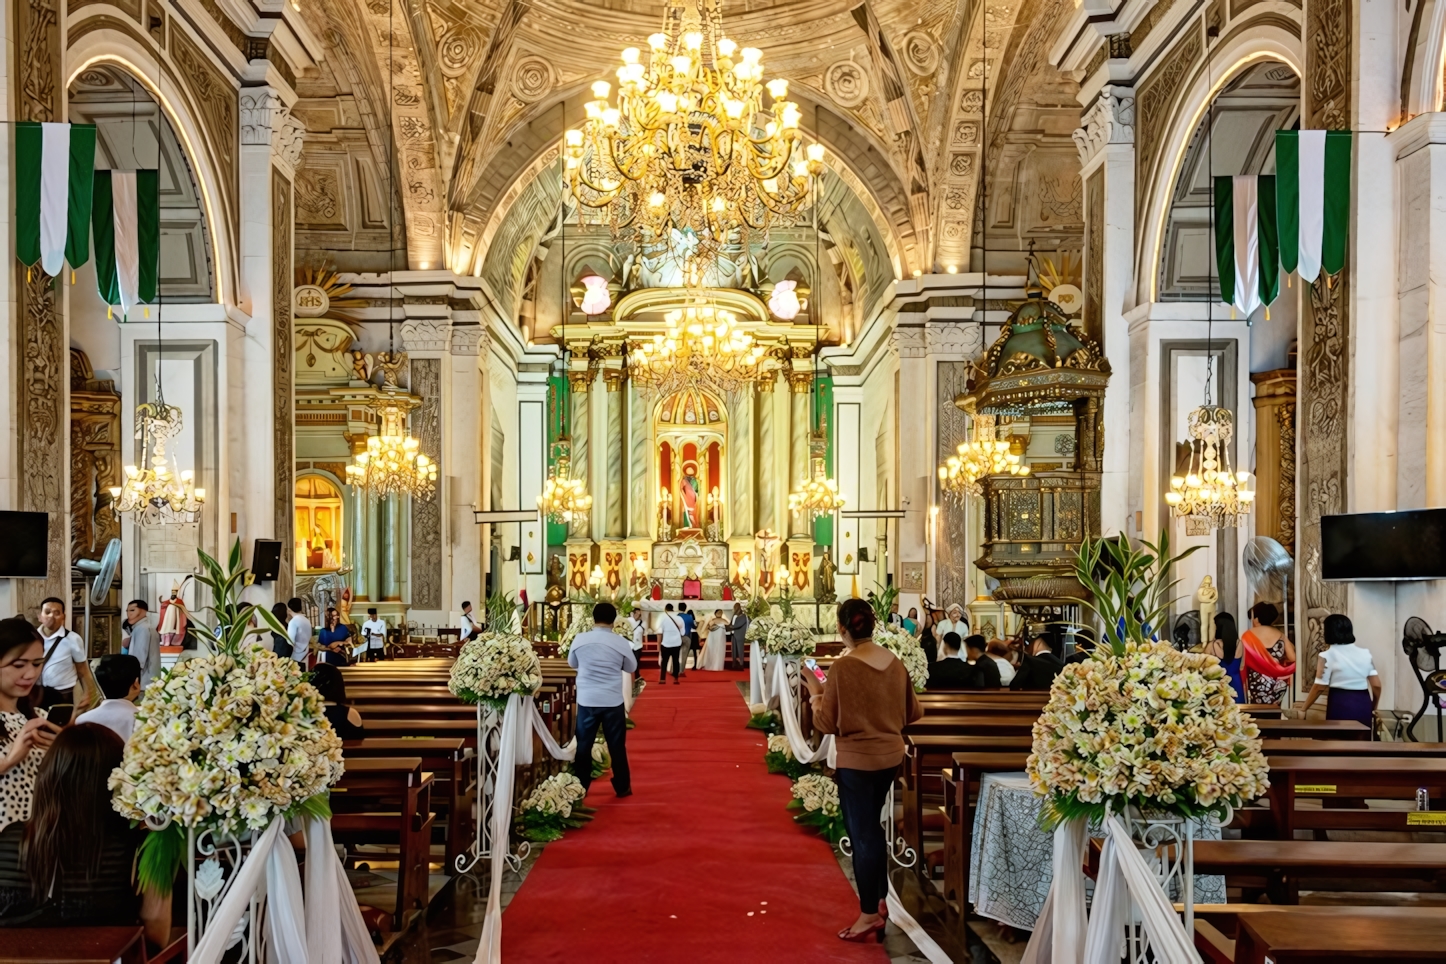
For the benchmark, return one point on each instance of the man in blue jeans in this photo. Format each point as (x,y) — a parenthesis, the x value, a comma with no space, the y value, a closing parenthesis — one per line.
(601,657)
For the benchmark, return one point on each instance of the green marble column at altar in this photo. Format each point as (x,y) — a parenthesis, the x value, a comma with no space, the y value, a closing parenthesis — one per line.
(613,496)
(640,487)
(767,504)
(740,440)
(579,382)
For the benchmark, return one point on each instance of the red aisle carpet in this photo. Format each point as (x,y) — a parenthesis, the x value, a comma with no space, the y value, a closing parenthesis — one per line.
(701,863)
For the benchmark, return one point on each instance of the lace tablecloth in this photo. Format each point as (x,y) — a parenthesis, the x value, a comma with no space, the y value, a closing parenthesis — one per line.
(1011,859)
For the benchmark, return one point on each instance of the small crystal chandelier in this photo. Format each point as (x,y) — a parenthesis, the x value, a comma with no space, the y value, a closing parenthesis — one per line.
(564,499)
(819,494)
(689,143)
(703,347)
(392,463)
(983,455)
(159,492)
(1210,492)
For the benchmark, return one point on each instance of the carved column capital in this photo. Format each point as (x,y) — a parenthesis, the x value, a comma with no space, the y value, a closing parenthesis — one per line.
(470,340)
(579,380)
(425,334)
(265,120)
(1110,121)
(800,382)
(954,338)
(909,342)
(767,380)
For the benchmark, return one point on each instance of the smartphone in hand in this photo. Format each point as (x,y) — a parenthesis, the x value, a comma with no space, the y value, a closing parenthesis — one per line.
(60,713)
(812,664)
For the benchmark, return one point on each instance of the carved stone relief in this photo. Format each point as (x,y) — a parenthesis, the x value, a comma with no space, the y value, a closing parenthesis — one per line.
(1155,105)
(1094,256)
(42,367)
(95,457)
(847,83)
(216,103)
(951,572)
(427,513)
(1110,121)
(283,390)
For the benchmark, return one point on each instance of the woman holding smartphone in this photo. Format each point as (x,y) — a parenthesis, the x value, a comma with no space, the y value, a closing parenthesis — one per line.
(24,736)
(866,703)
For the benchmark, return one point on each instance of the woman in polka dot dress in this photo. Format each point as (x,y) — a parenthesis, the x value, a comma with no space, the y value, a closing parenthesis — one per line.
(24,736)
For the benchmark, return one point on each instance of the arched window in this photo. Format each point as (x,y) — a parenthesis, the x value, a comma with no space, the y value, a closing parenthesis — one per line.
(319,529)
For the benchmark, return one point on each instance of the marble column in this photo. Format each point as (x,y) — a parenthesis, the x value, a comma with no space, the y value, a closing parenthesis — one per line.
(640,463)
(391,548)
(799,386)
(580,382)
(1106,142)
(766,461)
(466,415)
(740,458)
(613,526)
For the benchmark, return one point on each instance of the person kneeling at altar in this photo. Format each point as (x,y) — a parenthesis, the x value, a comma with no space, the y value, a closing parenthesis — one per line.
(72,863)
(601,657)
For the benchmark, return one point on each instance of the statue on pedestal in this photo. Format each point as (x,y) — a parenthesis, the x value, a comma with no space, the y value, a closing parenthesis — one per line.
(823,588)
(1208,596)
(556,591)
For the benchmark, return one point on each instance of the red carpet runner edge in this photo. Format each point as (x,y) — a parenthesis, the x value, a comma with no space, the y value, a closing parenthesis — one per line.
(702,863)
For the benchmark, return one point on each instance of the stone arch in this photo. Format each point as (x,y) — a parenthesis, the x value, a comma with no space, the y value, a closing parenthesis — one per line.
(119,50)
(1244,47)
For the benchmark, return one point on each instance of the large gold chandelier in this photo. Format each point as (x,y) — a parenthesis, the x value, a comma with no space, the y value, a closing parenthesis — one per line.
(817,495)
(982,455)
(688,143)
(564,499)
(392,462)
(703,347)
(159,487)
(1209,492)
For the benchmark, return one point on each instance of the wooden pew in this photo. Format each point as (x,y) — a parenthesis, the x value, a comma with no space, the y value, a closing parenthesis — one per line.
(1353,776)
(1327,935)
(452,766)
(1312,730)
(925,755)
(1285,863)
(389,799)
(72,945)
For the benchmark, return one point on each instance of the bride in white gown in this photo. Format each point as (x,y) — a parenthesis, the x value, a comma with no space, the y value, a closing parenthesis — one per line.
(716,648)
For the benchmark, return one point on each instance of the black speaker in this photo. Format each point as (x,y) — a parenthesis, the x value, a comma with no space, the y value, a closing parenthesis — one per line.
(266,560)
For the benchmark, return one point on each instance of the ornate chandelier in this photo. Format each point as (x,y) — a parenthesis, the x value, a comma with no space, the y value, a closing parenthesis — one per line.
(392,462)
(983,455)
(819,494)
(689,143)
(1209,491)
(159,488)
(703,347)
(564,498)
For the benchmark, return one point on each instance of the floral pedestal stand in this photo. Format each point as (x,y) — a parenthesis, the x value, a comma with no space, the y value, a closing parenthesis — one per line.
(899,850)
(1167,844)
(489,749)
(211,869)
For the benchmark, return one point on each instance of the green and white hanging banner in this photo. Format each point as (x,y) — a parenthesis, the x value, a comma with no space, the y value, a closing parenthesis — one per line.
(1246,242)
(54,164)
(127,221)
(1313,175)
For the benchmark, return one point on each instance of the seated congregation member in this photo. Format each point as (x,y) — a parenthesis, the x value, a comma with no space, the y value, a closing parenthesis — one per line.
(998,651)
(1268,657)
(71,863)
(342,716)
(1037,667)
(280,645)
(950,672)
(119,677)
(1345,672)
(1226,648)
(986,673)
(866,702)
(1084,647)
(24,734)
(601,657)
(927,640)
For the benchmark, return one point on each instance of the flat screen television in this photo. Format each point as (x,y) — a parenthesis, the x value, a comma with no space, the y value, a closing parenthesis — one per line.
(1384,545)
(24,537)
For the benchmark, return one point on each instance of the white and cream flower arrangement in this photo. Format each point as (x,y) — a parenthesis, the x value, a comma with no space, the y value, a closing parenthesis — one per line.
(783,636)
(553,806)
(496,664)
(778,757)
(622,627)
(225,742)
(816,795)
(908,650)
(1140,724)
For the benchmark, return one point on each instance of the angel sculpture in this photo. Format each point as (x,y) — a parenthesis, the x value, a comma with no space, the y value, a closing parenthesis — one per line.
(389,363)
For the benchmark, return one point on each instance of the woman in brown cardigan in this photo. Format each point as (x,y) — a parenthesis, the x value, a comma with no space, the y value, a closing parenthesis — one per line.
(866,702)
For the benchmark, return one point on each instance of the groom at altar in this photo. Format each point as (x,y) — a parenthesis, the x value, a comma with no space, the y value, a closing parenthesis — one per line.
(600,657)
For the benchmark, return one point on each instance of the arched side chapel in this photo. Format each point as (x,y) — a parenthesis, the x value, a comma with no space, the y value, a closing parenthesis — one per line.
(407,168)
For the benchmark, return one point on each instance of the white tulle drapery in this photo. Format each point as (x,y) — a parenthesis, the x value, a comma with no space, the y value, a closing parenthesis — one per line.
(324,928)
(1066,935)
(520,719)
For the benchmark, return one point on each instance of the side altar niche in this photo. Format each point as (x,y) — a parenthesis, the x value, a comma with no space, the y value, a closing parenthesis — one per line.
(1034,524)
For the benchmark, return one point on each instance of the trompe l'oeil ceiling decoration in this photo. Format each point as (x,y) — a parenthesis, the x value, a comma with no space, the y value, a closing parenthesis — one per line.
(688,142)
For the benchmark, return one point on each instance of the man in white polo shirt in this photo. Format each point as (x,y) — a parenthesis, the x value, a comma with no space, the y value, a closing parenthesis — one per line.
(65,662)
(299,629)
(601,657)
(374,635)
(119,676)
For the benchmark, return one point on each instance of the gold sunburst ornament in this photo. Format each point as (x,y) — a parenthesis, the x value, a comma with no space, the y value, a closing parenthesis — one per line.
(688,143)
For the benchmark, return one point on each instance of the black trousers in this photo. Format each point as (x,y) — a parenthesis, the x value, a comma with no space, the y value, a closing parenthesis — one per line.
(613,721)
(861,796)
(54,697)
(666,653)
